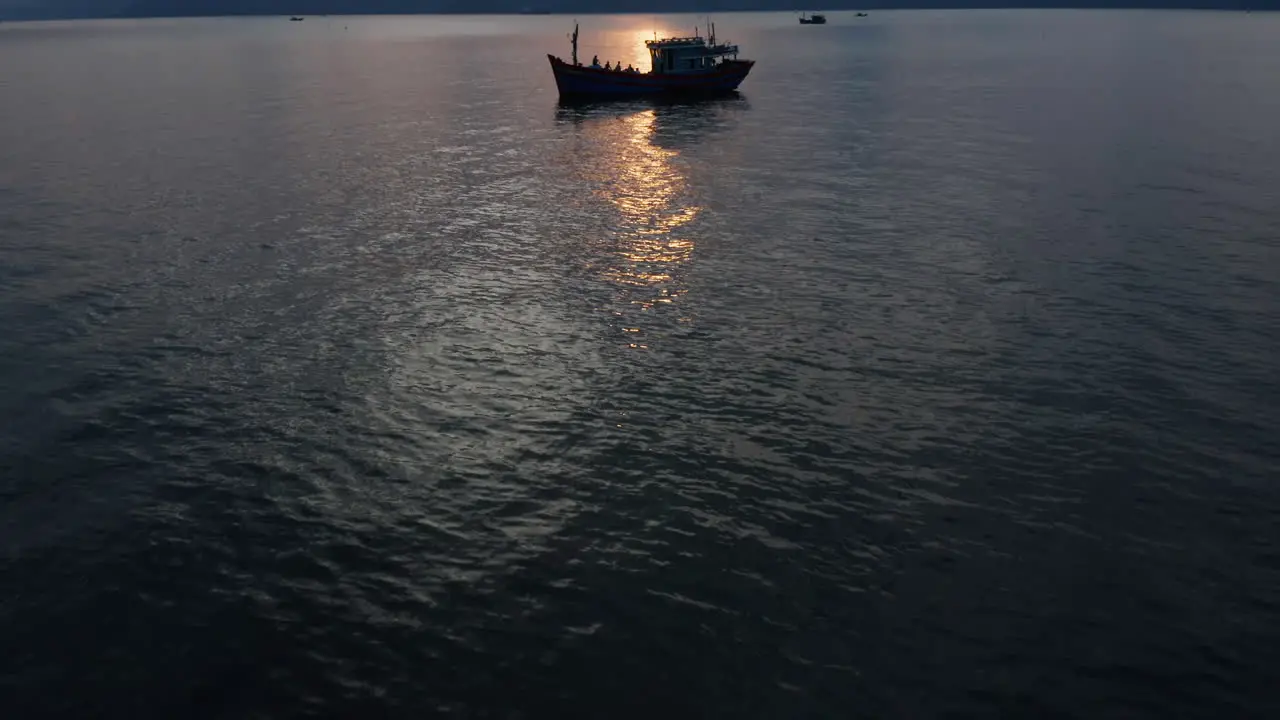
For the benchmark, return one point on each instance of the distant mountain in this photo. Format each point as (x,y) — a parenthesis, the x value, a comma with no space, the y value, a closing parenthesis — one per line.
(35,9)
(42,9)
(200,8)
(373,7)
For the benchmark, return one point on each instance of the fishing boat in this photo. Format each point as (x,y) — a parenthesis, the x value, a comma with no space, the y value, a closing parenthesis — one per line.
(691,65)
(814,19)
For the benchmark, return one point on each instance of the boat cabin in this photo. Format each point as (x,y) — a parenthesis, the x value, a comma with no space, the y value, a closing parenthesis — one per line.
(687,54)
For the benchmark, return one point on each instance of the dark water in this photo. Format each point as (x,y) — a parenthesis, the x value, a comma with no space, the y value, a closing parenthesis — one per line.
(343,373)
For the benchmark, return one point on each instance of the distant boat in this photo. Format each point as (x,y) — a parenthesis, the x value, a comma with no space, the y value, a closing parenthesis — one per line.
(680,65)
(814,19)
(861,14)
(296,19)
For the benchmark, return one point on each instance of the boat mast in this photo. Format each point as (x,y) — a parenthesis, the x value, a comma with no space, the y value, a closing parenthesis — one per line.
(575,43)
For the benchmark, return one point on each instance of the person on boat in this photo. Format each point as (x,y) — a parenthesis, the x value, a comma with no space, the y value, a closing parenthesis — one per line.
(630,69)
(595,61)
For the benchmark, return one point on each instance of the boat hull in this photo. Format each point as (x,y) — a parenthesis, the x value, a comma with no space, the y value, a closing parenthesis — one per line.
(578,81)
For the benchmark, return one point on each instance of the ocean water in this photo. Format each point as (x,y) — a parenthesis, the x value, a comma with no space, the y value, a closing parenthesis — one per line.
(346,373)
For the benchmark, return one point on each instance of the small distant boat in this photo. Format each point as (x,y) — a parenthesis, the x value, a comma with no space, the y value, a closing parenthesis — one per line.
(813,19)
(296,19)
(679,65)
(861,14)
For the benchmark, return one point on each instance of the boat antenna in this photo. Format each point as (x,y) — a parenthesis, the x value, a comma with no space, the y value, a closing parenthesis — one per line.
(575,43)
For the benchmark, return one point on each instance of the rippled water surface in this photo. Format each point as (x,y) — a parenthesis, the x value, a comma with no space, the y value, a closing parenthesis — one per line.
(346,373)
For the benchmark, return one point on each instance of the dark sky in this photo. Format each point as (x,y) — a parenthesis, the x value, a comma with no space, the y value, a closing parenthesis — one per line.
(101,8)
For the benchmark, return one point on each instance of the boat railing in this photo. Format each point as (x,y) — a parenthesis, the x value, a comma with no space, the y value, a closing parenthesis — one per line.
(695,40)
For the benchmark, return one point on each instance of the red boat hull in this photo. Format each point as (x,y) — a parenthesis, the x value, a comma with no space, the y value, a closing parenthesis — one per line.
(579,81)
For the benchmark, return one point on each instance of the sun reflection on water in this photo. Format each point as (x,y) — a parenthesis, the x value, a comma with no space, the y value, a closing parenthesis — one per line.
(648,190)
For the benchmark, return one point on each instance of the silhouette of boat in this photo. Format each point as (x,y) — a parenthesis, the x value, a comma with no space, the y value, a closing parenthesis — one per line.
(814,19)
(296,19)
(679,65)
